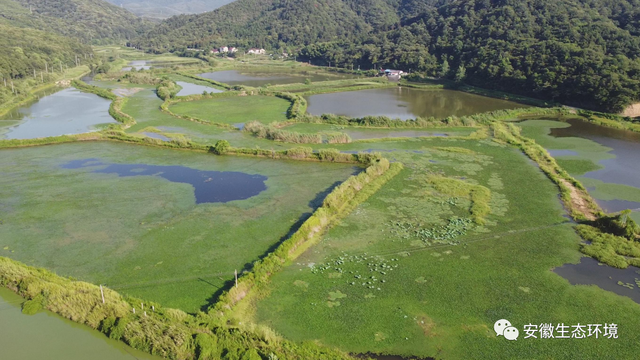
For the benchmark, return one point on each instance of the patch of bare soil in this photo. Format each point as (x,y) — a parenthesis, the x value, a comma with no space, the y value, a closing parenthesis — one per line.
(578,201)
(632,110)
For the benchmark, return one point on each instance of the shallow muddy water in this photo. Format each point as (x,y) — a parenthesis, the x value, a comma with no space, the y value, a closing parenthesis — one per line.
(209,186)
(590,272)
(405,103)
(194,89)
(235,77)
(68,111)
(48,336)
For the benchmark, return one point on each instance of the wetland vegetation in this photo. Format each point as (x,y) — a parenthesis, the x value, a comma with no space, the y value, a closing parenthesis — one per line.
(350,235)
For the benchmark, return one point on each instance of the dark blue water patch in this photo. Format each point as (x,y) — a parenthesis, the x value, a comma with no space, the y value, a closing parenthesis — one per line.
(209,186)
(156,136)
(561,152)
(590,272)
(612,206)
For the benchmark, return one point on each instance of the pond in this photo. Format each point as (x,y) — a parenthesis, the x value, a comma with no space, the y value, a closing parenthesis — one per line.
(624,167)
(209,186)
(590,272)
(612,176)
(194,89)
(48,336)
(68,111)
(405,103)
(257,79)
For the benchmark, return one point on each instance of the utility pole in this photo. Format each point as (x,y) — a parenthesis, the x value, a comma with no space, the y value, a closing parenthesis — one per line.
(102,293)
(12,89)
(235,272)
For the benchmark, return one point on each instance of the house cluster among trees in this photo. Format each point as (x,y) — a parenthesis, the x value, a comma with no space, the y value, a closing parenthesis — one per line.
(225,50)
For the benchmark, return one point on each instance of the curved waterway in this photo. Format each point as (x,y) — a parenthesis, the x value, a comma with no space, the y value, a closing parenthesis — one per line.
(68,111)
(48,336)
(405,103)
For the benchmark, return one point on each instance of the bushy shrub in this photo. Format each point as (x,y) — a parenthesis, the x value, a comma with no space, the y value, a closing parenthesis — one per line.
(221,147)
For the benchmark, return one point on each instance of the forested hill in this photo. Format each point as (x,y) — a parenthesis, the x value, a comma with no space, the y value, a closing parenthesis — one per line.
(162,9)
(581,52)
(577,52)
(275,23)
(92,21)
(26,50)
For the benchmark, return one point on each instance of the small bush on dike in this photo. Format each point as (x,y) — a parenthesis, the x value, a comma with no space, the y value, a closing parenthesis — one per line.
(221,147)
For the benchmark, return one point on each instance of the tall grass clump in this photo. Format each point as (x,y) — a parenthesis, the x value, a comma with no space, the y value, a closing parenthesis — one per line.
(338,138)
(613,250)
(262,131)
(479,195)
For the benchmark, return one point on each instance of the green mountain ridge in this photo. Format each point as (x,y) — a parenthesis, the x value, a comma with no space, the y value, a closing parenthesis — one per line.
(162,9)
(92,21)
(579,52)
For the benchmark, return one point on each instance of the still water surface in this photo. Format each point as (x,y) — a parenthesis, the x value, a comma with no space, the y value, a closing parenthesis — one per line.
(405,103)
(625,167)
(51,337)
(590,272)
(209,186)
(68,111)
(194,89)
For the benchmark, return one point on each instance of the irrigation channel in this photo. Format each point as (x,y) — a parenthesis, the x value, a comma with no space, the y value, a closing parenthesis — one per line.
(56,338)
(56,112)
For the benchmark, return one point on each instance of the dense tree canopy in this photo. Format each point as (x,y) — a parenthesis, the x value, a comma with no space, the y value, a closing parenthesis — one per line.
(163,9)
(582,52)
(92,21)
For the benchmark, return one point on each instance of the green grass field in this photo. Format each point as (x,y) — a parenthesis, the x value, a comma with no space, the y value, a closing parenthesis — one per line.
(442,300)
(144,235)
(236,110)
(144,106)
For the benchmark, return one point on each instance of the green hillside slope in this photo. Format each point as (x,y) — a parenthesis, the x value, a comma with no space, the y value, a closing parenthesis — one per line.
(93,21)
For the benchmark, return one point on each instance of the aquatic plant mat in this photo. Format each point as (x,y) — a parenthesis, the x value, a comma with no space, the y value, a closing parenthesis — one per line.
(143,235)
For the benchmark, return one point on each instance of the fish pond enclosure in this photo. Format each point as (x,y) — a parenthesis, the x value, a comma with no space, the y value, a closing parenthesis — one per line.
(270,210)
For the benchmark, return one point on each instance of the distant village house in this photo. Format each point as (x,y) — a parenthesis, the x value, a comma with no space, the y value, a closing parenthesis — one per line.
(224,50)
(257,51)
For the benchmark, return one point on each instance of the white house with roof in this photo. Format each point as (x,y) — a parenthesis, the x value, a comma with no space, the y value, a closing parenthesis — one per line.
(257,51)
